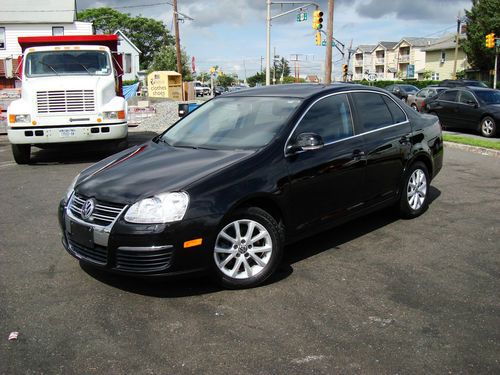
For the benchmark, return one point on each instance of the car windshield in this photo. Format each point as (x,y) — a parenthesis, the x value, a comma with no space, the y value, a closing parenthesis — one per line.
(489,96)
(51,63)
(477,84)
(409,88)
(232,123)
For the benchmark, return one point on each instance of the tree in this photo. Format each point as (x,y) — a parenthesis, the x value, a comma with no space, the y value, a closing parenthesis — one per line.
(482,19)
(225,80)
(257,78)
(147,34)
(203,77)
(282,69)
(165,59)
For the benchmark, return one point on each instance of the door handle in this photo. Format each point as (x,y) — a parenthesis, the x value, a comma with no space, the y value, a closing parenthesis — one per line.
(405,139)
(358,154)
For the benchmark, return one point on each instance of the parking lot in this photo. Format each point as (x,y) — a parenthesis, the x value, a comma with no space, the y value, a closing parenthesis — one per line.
(377,295)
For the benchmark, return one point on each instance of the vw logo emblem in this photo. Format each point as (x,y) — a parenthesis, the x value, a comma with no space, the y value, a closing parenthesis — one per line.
(88,208)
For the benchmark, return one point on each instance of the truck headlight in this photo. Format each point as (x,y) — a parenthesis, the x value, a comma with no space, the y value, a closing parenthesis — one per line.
(162,208)
(114,115)
(19,118)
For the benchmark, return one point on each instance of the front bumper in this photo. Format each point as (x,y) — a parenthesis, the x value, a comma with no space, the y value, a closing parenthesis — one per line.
(66,133)
(140,249)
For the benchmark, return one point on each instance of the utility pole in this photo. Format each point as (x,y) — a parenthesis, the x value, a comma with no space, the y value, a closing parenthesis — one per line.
(329,40)
(454,74)
(177,38)
(268,44)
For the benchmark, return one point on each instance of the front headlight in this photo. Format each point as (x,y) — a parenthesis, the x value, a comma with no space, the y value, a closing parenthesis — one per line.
(19,118)
(162,208)
(114,115)
(71,187)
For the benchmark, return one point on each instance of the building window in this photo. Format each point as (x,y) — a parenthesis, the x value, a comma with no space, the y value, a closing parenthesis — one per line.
(57,30)
(443,56)
(128,63)
(2,37)
(435,76)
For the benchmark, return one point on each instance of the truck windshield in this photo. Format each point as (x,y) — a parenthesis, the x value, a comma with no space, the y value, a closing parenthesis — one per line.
(51,63)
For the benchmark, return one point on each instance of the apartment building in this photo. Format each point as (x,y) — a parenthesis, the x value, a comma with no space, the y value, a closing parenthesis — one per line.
(362,62)
(440,58)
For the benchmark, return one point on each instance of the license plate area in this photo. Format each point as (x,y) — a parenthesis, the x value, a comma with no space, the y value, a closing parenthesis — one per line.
(82,235)
(65,133)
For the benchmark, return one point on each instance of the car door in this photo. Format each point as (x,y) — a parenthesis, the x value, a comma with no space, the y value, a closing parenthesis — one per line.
(387,135)
(467,114)
(445,108)
(326,183)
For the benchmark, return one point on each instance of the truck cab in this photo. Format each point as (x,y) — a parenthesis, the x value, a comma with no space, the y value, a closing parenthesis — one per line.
(69,94)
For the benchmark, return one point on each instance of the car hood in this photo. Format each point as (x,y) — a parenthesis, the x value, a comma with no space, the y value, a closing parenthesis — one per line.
(149,169)
(494,108)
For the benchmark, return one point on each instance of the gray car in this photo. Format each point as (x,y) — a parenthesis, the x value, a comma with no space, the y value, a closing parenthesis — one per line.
(417,100)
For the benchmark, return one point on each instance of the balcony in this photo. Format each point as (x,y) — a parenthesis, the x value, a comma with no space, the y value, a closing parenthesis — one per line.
(380,61)
(404,59)
(358,62)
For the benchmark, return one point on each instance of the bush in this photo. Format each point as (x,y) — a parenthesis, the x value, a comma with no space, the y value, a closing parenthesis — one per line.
(129,82)
(382,84)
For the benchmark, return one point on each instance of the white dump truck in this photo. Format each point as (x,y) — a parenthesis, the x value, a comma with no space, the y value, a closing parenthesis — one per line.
(71,92)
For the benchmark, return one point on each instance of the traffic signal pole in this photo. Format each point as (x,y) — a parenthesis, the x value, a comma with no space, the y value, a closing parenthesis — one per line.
(269,18)
(329,40)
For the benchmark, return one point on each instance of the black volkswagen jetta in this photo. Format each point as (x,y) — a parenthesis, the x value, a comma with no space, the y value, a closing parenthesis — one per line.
(230,184)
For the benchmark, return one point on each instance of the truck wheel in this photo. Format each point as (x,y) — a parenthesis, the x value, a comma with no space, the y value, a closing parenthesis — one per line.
(21,153)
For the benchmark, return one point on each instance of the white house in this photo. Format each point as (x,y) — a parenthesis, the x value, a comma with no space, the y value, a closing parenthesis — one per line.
(130,56)
(34,18)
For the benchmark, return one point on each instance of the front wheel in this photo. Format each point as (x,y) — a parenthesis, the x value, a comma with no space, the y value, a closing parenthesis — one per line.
(415,191)
(22,153)
(488,127)
(248,249)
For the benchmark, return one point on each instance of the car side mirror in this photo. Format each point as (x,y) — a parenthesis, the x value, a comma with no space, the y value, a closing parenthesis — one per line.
(306,142)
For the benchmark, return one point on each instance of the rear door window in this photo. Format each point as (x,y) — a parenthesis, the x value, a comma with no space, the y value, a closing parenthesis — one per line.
(397,113)
(449,95)
(371,111)
(466,97)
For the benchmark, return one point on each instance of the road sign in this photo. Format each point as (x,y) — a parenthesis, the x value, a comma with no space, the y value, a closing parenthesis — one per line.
(372,77)
(410,71)
(302,16)
(323,43)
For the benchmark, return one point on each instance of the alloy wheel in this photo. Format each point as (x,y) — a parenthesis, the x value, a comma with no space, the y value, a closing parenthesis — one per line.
(487,127)
(243,249)
(416,189)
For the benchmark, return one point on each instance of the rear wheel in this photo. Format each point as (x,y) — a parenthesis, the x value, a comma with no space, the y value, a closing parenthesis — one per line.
(248,249)
(414,106)
(415,191)
(22,153)
(488,127)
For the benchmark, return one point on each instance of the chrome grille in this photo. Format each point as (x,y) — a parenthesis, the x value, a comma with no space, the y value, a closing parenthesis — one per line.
(65,101)
(104,213)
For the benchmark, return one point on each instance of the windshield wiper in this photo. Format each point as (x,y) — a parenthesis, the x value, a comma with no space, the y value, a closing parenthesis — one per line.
(50,66)
(84,67)
(192,147)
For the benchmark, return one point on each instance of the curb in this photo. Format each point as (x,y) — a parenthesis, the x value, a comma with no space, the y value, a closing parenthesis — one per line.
(475,149)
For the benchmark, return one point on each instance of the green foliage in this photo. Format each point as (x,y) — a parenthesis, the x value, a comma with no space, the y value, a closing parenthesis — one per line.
(382,84)
(289,79)
(257,78)
(203,77)
(282,68)
(147,34)
(129,82)
(225,80)
(472,141)
(461,74)
(165,59)
(483,18)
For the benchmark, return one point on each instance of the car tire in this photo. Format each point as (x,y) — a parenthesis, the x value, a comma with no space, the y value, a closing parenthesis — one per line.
(414,107)
(236,263)
(414,198)
(488,127)
(22,153)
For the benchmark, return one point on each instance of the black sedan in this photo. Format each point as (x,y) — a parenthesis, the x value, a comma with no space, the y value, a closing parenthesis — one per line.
(402,91)
(230,184)
(473,108)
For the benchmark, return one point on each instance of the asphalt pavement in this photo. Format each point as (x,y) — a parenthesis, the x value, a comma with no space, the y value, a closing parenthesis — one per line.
(378,295)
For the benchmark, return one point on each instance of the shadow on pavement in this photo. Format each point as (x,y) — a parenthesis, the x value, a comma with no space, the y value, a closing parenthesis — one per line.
(85,152)
(175,287)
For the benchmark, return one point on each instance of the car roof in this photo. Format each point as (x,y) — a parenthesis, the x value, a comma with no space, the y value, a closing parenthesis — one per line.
(300,90)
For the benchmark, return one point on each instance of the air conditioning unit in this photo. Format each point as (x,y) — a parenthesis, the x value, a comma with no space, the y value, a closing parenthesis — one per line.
(442,61)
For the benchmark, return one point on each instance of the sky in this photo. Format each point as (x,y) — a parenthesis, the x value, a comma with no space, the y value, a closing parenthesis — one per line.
(232,33)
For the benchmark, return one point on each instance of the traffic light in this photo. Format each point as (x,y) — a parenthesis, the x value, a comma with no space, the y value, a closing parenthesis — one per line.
(317,20)
(318,38)
(344,70)
(490,40)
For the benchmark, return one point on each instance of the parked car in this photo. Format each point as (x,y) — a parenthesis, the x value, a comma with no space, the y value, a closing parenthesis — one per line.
(206,89)
(402,91)
(474,108)
(417,100)
(462,83)
(227,186)
(219,90)
(198,88)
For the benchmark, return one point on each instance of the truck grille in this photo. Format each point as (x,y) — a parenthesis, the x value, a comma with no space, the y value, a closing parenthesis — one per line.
(104,213)
(65,101)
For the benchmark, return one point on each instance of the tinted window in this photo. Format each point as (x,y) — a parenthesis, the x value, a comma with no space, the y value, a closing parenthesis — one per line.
(330,118)
(371,111)
(489,96)
(466,97)
(450,95)
(397,113)
(422,93)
